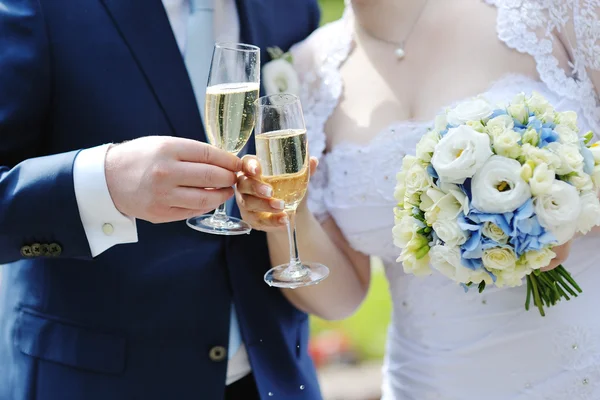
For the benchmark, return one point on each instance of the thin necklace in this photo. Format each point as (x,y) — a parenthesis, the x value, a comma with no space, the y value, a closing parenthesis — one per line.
(400,46)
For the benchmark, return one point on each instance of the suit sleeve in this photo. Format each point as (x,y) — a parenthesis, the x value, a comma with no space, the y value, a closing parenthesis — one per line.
(39,216)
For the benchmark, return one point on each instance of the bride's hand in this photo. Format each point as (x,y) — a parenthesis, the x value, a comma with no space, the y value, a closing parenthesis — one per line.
(562,253)
(254,197)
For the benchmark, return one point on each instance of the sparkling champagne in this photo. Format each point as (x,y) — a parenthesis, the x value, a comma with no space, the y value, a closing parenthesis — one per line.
(284,159)
(229,114)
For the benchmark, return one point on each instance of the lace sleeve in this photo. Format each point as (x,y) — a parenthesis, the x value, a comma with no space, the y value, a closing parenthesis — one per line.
(316,61)
(546,28)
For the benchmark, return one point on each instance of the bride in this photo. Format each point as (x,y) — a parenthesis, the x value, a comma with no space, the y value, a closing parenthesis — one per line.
(372,83)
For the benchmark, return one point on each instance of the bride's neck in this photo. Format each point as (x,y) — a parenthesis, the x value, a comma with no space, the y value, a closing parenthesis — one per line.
(386,20)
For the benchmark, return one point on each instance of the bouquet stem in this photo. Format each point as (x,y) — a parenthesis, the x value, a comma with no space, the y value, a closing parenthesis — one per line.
(549,287)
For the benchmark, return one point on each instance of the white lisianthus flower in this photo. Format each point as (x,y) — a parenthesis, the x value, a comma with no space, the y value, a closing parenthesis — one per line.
(542,179)
(446,259)
(494,232)
(558,210)
(581,180)
(279,76)
(567,135)
(426,145)
(474,110)
(568,118)
(456,196)
(537,259)
(405,230)
(538,104)
(589,216)
(498,125)
(417,179)
(539,156)
(499,259)
(507,144)
(449,232)
(443,204)
(498,186)
(571,159)
(460,153)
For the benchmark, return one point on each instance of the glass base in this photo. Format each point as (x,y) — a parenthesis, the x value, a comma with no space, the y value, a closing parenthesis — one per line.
(219,226)
(310,274)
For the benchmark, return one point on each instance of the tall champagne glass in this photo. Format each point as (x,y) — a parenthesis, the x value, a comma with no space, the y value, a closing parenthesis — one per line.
(233,86)
(282,149)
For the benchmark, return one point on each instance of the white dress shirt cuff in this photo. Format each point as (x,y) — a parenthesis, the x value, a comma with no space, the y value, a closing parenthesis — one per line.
(104,225)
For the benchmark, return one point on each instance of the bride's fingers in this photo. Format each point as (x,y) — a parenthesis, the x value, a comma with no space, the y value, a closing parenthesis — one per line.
(266,221)
(254,187)
(254,204)
(251,166)
(314,163)
(562,253)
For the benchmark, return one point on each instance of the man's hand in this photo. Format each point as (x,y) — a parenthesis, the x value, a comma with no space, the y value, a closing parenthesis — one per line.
(164,179)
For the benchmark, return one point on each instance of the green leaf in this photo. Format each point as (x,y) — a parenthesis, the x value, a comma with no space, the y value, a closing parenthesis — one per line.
(274,52)
(481,286)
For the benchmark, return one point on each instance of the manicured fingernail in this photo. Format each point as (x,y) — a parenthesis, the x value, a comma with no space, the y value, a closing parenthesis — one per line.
(266,191)
(253,166)
(278,204)
(284,220)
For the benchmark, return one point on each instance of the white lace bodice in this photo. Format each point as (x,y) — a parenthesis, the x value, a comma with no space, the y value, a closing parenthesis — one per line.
(440,337)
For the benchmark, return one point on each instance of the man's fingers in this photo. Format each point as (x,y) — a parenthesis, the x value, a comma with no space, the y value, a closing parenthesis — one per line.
(199,175)
(254,187)
(194,151)
(251,167)
(199,199)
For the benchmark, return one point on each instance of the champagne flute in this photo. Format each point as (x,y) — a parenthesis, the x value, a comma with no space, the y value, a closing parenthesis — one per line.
(233,86)
(282,149)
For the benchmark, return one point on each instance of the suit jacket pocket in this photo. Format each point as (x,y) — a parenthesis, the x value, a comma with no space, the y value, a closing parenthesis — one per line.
(70,345)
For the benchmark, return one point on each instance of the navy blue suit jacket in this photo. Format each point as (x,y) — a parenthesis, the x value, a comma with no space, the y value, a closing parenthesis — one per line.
(139,320)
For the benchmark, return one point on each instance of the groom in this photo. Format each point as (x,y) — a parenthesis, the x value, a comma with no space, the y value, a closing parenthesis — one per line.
(106,293)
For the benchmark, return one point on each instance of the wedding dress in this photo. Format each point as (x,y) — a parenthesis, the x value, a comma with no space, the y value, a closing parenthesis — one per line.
(444,343)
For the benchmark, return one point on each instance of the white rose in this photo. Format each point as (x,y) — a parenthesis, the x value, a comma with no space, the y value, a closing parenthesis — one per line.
(567,135)
(413,265)
(405,230)
(568,118)
(474,110)
(426,145)
(538,156)
(595,149)
(558,210)
(581,180)
(460,153)
(537,259)
(279,76)
(507,144)
(494,232)
(500,124)
(446,259)
(449,232)
(538,104)
(542,179)
(589,216)
(571,159)
(417,179)
(498,187)
(499,258)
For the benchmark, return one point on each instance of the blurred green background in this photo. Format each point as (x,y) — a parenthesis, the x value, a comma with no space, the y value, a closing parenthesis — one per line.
(364,333)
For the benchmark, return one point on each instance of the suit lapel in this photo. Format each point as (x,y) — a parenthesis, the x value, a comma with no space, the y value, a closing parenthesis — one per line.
(145,28)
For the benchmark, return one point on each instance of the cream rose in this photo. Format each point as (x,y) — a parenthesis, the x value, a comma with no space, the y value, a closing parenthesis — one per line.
(571,159)
(474,110)
(499,258)
(558,210)
(279,76)
(537,259)
(567,135)
(498,125)
(498,186)
(507,144)
(494,232)
(589,215)
(538,104)
(417,179)
(539,156)
(568,118)
(460,153)
(449,232)
(426,145)
(542,180)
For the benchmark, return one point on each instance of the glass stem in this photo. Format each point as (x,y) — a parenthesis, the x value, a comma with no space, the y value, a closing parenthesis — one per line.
(295,263)
(220,214)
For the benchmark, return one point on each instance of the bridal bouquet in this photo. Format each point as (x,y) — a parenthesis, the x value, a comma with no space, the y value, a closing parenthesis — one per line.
(491,191)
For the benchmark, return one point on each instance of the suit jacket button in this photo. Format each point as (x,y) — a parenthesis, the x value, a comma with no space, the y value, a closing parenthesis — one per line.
(36,249)
(44,250)
(54,249)
(26,251)
(217,353)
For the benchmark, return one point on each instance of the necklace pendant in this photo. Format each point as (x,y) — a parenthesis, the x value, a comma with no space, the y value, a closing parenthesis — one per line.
(400,53)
